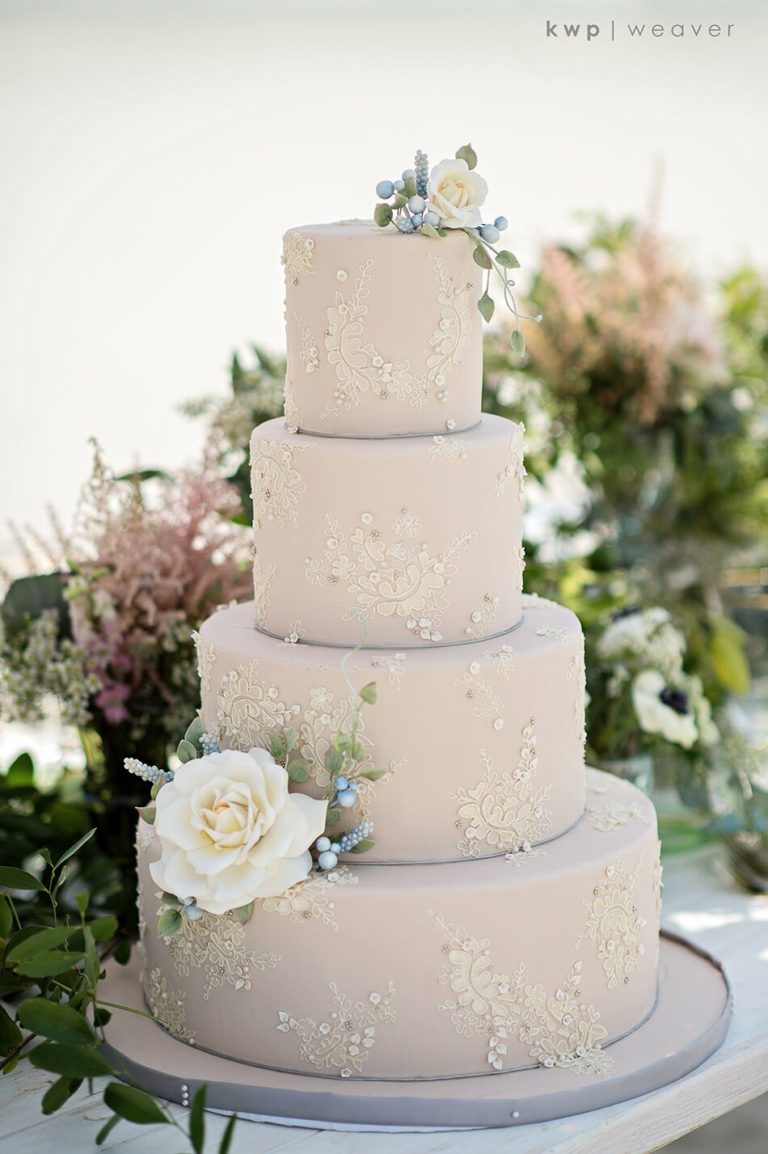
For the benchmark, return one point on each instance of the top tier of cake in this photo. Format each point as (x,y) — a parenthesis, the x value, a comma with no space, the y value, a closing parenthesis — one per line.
(383,333)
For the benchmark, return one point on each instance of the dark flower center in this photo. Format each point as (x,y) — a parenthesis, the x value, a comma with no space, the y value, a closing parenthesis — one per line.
(676,699)
(627,611)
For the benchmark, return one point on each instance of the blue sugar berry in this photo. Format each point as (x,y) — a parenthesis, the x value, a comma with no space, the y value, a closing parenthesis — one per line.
(399,185)
(385,189)
(501,223)
(341,782)
(347,798)
(408,173)
(322,844)
(489,233)
(417,220)
(417,204)
(327,860)
(432,218)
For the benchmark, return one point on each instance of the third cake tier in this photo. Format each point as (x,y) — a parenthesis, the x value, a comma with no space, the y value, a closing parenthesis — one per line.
(395,542)
(481,745)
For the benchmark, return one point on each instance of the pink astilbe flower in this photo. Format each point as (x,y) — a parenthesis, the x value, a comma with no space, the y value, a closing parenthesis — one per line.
(151,560)
(626,325)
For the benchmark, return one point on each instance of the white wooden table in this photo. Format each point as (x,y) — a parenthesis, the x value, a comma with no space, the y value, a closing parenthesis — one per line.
(699,901)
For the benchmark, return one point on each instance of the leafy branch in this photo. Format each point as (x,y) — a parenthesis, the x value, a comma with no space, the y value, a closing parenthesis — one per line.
(51,966)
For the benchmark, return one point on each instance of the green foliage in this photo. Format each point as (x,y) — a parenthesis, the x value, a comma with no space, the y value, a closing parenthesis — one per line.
(28,597)
(467,152)
(51,964)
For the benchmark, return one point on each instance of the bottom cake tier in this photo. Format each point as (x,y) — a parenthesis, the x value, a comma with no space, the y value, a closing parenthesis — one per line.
(428,971)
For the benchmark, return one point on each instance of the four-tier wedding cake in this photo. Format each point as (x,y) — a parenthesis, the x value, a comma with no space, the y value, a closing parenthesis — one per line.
(505,914)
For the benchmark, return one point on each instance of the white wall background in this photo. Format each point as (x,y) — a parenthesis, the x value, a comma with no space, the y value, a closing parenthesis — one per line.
(152,155)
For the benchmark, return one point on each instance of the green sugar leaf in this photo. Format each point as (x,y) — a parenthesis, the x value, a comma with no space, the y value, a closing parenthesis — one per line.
(369,693)
(186,751)
(467,152)
(517,343)
(486,307)
(363,846)
(169,923)
(507,259)
(382,214)
(481,257)
(298,770)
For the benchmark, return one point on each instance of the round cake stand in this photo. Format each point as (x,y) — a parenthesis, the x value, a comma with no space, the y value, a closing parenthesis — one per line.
(688,1024)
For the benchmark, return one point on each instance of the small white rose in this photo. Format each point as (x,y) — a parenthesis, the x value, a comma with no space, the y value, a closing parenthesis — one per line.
(655,716)
(230,832)
(455,193)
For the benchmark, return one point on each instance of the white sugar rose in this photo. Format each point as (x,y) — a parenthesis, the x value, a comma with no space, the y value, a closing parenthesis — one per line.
(230,831)
(663,709)
(455,193)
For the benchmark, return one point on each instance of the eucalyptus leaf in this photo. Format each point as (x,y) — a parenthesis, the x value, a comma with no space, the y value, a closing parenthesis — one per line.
(6,917)
(298,770)
(12,878)
(107,1129)
(73,849)
(147,813)
(382,214)
(486,307)
(49,965)
(54,1021)
(10,1034)
(226,1138)
(197,1121)
(133,1104)
(59,1092)
(400,200)
(430,231)
(104,928)
(168,923)
(357,751)
(186,751)
(47,938)
(290,737)
(156,787)
(467,152)
(480,256)
(276,746)
(243,914)
(333,817)
(73,1061)
(507,259)
(372,774)
(517,342)
(92,967)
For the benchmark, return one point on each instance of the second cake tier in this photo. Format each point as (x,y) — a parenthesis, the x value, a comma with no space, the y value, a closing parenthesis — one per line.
(482,744)
(399,542)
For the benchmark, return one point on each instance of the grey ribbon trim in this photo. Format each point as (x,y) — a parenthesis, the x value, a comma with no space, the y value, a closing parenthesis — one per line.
(398,647)
(333,1106)
(469,860)
(302,432)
